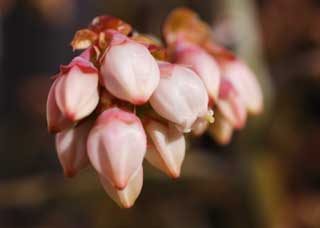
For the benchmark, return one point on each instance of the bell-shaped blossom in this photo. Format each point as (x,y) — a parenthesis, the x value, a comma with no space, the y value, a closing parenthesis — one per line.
(126,197)
(181,96)
(56,121)
(231,105)
(199,127)
(71,148)
(117,145)
(129,71)
(166,148)
(202,63)
(245,82)
(221,130)
(76,92)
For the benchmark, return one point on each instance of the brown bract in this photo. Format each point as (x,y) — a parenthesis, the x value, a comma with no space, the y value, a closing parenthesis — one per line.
(183,23)
(83,39)
(218,52)
(103,23)
(95,33)
(153,45)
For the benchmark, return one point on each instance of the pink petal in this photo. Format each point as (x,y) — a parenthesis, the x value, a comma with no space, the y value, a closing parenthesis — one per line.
(245,82)
(167,148)
(77,94)
(125,198)
(129,72)
(55,119)
(71,148)
(203,64)
(199,127)
(116,146)
(231,105)
(221,130)
(180,97)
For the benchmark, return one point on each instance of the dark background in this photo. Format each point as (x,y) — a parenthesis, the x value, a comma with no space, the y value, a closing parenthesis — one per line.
(269,176)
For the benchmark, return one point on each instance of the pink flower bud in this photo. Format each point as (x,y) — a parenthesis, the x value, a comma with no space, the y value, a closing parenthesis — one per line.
(221,130)
(180,97)
(167,148)
(128,70)
(231,105)
(116,146)
(199,127)
(126,197)
(202,63)
(245,82)
(71,148)
(76,92)
(55,119)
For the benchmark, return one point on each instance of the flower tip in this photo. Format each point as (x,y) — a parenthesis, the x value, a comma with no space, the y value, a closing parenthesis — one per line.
(225,141)
(175,174)
(69,173)
(240,125)
(126,205)
(71,116)
(53,129)
(139,101)
(174,171)
(121,185)
(258,111)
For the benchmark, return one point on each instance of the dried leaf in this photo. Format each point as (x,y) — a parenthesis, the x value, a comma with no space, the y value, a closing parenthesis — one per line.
(83,39)
(103,23)
(183,23)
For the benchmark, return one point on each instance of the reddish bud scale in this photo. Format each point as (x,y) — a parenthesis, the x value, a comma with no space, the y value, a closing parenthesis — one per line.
(110,38)
(84,38)
(183,22)
(158,52)
(103,23)
(220,53)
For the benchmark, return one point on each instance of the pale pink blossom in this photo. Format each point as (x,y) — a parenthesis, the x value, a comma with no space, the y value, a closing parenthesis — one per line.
(199,127)
(181,96)
(221,130)
(231,105)
(56,121)
(76,92)
(116,146)
(71,148)
(166,148)
(128,70)
(202,63)
(245,82)
(126,197)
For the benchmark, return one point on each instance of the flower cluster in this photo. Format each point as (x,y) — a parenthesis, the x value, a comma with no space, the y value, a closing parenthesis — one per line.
(127,97)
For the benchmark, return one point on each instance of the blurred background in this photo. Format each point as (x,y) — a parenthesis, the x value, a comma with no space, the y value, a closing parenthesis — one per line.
(268,177)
